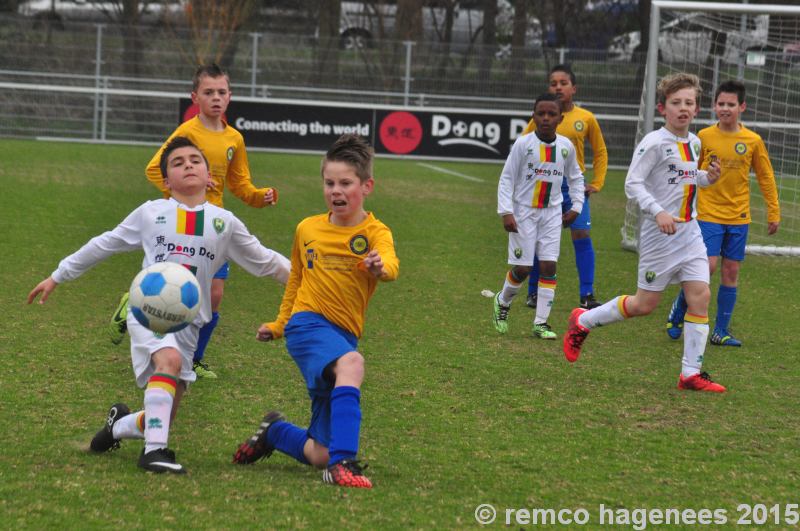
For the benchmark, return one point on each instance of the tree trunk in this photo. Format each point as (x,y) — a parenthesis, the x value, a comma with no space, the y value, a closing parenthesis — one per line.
(327,53)
(489,42)
(408,22)
(518,39)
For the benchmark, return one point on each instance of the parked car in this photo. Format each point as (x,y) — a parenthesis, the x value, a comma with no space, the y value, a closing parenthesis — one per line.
(689,38)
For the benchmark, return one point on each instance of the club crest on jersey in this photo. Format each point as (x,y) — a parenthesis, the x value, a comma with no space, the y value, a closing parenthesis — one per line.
(650,276)
(740,148)
(696,149)
(564,152)
(219,225)
(359,244)
(579,126)
(229,153)
(518,253)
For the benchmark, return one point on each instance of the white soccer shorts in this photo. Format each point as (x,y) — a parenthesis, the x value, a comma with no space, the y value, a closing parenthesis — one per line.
(144,343)
(539,234)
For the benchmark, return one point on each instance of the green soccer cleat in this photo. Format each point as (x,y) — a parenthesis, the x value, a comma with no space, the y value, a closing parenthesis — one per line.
(119,321)
(500,315)
(543,331)
(202,371)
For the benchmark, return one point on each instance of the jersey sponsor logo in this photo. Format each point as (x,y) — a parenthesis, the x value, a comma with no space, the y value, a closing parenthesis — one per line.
(359,244)
(229,153)
(187,250)
(219,225)
(650,276)
(740,148)
(579,126)
(518,253)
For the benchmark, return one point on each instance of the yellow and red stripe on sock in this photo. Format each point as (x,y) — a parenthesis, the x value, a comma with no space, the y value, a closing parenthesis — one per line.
(622,306)
(140,422)
(548,283)
(511,280)
(163,381)
(696,319)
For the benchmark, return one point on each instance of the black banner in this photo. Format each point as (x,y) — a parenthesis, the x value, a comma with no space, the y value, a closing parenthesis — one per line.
(418,133)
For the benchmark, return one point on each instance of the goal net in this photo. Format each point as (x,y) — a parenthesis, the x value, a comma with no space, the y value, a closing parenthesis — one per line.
(758,45)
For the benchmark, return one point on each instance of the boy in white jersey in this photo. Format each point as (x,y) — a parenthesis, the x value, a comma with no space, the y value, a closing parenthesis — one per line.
(663,178)
(198,235)
(529,201)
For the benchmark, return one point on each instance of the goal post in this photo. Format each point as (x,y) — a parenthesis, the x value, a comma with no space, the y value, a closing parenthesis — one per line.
(758,44)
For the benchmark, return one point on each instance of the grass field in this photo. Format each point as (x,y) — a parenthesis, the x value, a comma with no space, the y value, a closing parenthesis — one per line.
(454,415)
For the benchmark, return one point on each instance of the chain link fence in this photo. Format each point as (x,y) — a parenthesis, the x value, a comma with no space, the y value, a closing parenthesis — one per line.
(117,83)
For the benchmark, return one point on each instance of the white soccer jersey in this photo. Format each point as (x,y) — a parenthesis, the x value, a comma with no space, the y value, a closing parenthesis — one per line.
(533,173)
(663,176)
(202,238)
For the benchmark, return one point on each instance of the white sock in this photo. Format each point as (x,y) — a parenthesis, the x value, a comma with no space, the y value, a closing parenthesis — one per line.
(694,346)
(510,290)
(128,427)
(611,312)
(545,295)
(157,408)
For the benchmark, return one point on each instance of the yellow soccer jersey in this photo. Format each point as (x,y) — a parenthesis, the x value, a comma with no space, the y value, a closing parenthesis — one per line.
(579,125)
(227,160)
(728,200)
(326,277)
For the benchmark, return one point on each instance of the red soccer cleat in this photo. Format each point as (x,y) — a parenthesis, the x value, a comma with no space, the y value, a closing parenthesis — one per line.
(346,473)
(575,336)
(700,382)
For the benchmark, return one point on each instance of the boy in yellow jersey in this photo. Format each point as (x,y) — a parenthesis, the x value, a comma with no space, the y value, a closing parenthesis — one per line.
(224,148)
(663,178)
(578,125)
(338,258)
(723,210)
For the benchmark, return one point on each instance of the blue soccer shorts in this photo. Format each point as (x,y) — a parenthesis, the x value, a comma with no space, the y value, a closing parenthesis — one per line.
(584,219)
(223,271)
(315,343)
(728,241)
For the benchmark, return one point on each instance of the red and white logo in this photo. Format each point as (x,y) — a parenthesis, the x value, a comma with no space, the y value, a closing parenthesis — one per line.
(400,132)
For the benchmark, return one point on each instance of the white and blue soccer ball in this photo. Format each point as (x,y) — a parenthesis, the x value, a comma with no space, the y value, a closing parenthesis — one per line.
(165,297)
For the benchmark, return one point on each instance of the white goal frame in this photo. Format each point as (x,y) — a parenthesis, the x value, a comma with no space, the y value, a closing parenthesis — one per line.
(630,230)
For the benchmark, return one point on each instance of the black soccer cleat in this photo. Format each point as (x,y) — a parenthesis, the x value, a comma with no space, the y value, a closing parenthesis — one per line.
(589,302)
(257,447)
(161,460)
(532,300)
(104,440)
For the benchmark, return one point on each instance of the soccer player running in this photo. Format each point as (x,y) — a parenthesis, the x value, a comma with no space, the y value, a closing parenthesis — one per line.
(723,209)
(578,125)
(338,258)
(162,363)
(223,147)
(663,178)
(529,200)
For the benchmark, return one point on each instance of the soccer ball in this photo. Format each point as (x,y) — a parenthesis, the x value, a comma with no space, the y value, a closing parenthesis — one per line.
(165,297)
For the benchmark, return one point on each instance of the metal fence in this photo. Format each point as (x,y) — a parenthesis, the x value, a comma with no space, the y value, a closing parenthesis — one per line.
(114,83)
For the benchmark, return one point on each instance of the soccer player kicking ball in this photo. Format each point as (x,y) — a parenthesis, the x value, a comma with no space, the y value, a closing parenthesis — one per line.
(529,201)
(162,363)
(663,178)
(338,258)
(723,210)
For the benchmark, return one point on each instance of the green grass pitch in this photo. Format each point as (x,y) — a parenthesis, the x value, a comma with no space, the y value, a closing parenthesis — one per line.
(454,416)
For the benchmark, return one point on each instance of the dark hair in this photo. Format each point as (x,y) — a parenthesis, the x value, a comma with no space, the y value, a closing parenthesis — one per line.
(732,87)
(176,143)
(567,69)
(547,97)
(353,150)
(210,70)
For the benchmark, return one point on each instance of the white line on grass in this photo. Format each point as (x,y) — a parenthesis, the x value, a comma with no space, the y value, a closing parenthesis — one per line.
(450,172)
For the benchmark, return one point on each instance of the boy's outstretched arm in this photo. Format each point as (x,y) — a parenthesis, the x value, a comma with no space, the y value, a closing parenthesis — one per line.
(240,182)
(45,287)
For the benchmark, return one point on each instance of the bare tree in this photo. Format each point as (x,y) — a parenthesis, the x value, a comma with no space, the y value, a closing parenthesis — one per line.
(519,29)
(327,53)
(408,20)
(489,40)
(212,27)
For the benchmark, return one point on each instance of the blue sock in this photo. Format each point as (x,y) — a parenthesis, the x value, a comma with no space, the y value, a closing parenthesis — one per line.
(345,423)
(205,336)
(679,307)
(533,279)
(289,439)
(584,260)
(726,300)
